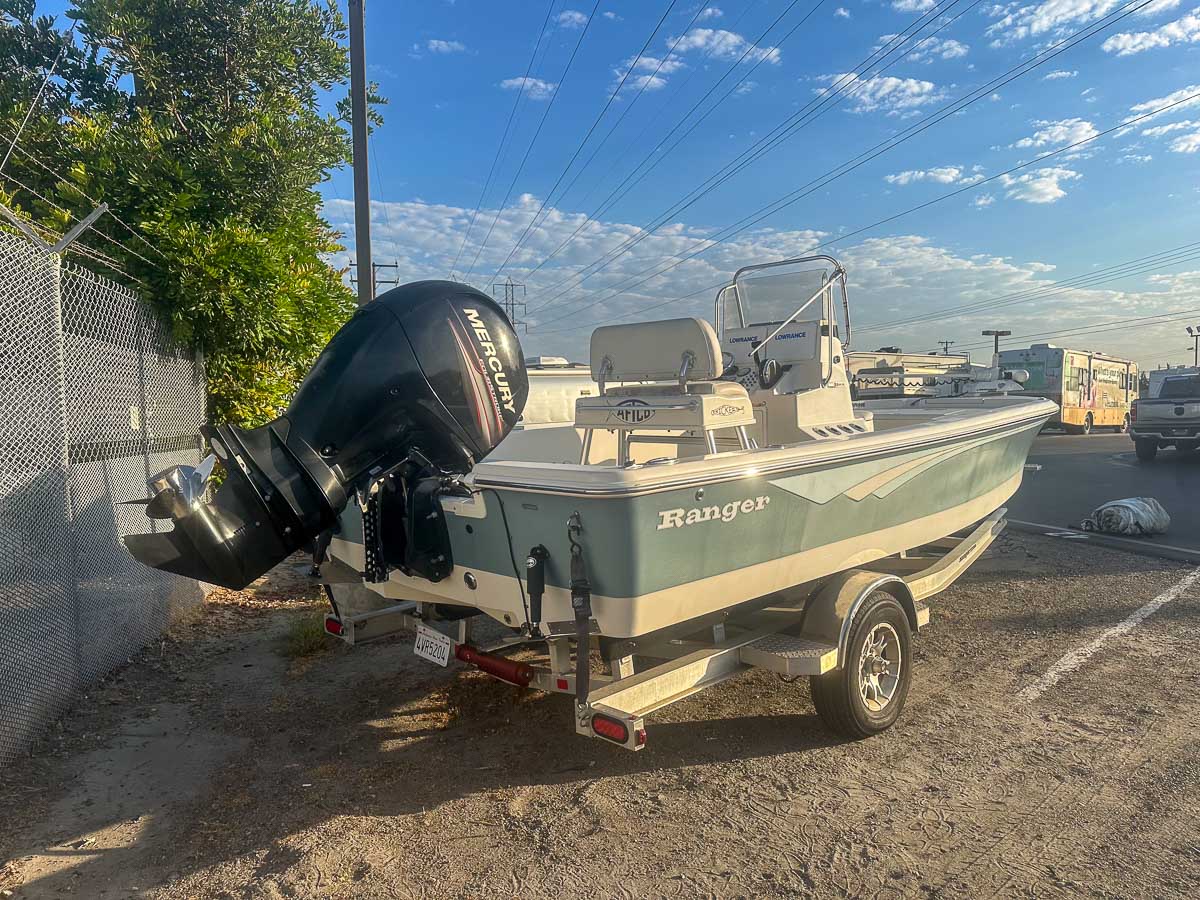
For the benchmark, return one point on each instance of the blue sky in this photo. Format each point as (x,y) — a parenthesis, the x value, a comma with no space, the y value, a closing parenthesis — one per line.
(453,69)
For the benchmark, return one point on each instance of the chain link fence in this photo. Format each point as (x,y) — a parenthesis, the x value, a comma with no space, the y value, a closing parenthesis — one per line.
(94,400)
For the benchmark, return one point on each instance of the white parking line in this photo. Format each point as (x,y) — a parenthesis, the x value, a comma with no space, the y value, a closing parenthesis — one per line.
(1080,655)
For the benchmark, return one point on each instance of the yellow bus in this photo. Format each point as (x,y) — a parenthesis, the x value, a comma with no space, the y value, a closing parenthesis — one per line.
(1092,390)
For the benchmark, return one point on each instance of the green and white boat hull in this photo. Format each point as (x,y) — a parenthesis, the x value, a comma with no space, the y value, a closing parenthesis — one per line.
(668,543)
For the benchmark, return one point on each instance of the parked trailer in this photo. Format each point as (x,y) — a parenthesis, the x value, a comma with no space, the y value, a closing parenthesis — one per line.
(850,634)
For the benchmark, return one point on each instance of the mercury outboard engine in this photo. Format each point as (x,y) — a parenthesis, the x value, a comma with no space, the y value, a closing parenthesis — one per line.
(415,388)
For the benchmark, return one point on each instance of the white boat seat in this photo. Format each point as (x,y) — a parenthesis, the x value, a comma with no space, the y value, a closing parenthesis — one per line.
(656,351)
(681,361)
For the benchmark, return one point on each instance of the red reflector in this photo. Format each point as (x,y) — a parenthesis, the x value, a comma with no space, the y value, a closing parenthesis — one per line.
(639,737)
(562,684)
(608,727)
(333,626)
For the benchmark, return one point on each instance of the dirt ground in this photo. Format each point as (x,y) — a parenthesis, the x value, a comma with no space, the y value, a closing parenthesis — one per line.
(217,766)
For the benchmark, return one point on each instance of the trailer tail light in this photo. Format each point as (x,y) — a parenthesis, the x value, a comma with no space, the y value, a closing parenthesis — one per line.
(334,626)
(562,684)
(610,728)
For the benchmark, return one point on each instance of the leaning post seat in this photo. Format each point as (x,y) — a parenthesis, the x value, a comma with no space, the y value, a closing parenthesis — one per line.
(667,374)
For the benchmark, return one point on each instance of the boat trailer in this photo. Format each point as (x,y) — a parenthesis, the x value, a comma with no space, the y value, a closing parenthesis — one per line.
(808,630)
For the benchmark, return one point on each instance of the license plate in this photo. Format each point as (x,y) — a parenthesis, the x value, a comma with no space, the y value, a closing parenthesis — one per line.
(433,646)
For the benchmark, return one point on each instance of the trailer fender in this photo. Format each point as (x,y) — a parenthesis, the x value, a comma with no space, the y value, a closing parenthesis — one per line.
(831,611)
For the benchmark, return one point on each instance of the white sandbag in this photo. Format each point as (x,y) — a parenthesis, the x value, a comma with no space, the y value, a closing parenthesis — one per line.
(1135,516)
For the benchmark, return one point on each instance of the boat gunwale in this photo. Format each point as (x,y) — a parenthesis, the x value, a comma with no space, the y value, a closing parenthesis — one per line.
(498,482)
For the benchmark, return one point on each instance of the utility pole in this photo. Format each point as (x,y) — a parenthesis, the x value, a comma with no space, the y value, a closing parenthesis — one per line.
(1195,333)
(358,134)
(946,345)
(997,335)
(510,301)
(377,280)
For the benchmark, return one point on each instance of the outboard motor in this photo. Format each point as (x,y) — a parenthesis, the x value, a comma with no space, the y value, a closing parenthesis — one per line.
(415,388)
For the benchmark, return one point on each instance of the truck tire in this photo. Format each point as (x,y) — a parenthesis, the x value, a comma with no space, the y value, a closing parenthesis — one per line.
(1146,449)
(866,695)
(1088,424)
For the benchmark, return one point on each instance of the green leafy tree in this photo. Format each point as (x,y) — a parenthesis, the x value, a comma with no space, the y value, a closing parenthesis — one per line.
(201,123)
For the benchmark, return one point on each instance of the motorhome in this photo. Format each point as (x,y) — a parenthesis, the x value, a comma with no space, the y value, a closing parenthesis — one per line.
(1092,390)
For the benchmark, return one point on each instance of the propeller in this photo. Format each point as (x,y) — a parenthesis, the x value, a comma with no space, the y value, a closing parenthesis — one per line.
(177,491)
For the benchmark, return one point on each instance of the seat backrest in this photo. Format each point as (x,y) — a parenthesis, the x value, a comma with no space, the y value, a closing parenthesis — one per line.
(654,351)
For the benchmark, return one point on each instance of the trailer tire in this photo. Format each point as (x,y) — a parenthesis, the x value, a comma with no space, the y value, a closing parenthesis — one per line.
(1146,450)
(866,695)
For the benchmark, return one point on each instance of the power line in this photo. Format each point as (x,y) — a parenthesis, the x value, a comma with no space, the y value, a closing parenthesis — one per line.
(840,89)
(654,157)
(950,109)
(574,156)
(507,127)
(837,92)
(641,134)
(38,96)
(1103,327)
(549,105)
(1174,256)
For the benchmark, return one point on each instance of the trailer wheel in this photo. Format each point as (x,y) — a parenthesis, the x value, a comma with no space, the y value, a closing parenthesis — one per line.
(1146,449)
(865,696)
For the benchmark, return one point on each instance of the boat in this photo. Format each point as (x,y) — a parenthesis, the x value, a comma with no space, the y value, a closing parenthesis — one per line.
(688,473)
(702,467)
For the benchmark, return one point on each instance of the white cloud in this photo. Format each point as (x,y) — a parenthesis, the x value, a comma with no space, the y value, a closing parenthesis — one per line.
(654,72)
(572,19)
(913,6)
(1059,134)
(890,277)
(896,96)
(1178,101)
(1189,143)
(1057,74)
(841,12)
(1139,158)
(940,175)
(1183,143)
(1185,30)
(611,16)
(1158,6)
(1160,130)
(746,87)
(727,45)
(535,88)
(438,46)
(1039,186)
(1016,22)
(710,12)
(983,200)
(926,50)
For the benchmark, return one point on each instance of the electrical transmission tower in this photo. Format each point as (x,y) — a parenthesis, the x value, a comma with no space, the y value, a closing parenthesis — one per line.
(510,301)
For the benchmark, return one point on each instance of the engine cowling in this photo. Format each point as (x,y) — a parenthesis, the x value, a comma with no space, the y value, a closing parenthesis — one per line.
(430,372)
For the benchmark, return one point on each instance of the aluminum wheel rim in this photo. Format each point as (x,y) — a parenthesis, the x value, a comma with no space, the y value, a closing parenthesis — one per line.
(879,667)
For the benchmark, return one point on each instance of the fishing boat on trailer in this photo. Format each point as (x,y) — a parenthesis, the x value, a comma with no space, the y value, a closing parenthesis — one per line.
(703,481)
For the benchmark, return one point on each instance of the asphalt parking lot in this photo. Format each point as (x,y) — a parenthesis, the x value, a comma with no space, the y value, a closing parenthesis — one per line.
(1079,472)
(1047,749)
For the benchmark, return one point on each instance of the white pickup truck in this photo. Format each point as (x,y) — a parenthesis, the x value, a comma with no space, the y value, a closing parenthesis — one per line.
(1170,416)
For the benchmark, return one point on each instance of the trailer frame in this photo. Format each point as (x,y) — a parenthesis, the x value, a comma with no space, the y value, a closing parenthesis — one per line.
(802,631)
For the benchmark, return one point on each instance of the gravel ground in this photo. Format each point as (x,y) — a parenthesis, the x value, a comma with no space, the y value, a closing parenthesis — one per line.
(218,766)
